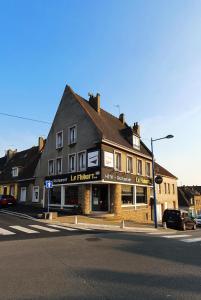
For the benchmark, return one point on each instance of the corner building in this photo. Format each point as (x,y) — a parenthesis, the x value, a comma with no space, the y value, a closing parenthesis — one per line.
(95,160)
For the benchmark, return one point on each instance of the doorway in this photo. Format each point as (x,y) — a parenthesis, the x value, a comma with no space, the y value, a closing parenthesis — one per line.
(100,197)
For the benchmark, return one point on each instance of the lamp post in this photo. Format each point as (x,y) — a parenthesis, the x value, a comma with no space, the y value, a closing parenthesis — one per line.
(169,136)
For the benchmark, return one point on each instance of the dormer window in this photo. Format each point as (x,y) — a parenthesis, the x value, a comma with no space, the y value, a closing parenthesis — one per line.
(15,171)
(59,140)
(136,142)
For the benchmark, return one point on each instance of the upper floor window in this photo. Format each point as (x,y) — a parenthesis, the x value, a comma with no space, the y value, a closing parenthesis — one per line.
(136,142)
(159,188)
(148,169)
(15,171)
(82,161)
(168,185)
(117,159)
(72,134)
(72,163)
(51,167)
(173,189)
(59,140)
(165,186)
(129,164)
(59,165)
(139,167)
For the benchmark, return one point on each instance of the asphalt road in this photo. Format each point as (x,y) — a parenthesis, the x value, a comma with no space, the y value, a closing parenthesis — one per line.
(97,265)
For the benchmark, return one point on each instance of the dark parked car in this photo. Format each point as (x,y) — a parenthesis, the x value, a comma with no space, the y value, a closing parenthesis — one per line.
(7,199)
(178,219)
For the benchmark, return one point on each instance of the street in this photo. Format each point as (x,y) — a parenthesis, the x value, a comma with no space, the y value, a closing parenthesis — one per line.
(95,264)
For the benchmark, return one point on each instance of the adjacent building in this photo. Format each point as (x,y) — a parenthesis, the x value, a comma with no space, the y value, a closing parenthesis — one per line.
(95,160)
(190,199)
(17,173)
(166,192)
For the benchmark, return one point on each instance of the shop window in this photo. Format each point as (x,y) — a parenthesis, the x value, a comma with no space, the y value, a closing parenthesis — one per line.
(55,198)
(71,195)
(141,194)
(139,167)
(82,161)
(72,163)
(148,169)
(117,158)
(59,165)
(35,196)
(129,164)
(51,167)
(127,195)
(72,135)
(59,140)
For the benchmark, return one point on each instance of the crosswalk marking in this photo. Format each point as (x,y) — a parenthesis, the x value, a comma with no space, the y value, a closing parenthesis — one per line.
(175,236)
(193,240)
(6,232)
(62,227)
(24,229)
(44,228)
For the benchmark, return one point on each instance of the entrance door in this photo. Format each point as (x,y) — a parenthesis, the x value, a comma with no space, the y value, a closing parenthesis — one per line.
(99,197)
(23,194)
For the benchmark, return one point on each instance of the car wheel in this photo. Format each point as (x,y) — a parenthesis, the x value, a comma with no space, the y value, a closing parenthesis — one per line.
(183,226)
(194,227)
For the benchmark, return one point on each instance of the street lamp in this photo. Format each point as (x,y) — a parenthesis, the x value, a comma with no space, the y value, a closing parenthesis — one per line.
(169,136)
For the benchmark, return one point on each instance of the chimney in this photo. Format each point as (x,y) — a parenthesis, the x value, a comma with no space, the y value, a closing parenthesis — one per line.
(10,153)
(122,118)
(41,143)
(94,101)
(136,129)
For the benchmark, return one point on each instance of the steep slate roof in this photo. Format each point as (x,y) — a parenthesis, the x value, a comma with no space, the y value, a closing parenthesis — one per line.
(26,161)
(109,126)
(2,162)
(159,170)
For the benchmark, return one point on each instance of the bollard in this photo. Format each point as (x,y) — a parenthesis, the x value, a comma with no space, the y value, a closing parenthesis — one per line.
(122,225)
(50,216)
(164,225)
(75,221)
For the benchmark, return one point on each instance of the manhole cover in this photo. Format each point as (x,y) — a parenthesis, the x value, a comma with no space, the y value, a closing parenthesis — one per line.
(93,239)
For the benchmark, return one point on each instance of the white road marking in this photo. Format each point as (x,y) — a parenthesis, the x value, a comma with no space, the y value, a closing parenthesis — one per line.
(62,227)
(5,232)
(160,233)
(44,228)
(193,240)
(175,236)
(24,229)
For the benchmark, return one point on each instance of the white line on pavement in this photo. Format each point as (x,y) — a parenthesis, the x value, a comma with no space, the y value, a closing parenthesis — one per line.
(44,228)
(193,240)
(158,233)
(62,227)
(5,232)
(24,229)
(175,236)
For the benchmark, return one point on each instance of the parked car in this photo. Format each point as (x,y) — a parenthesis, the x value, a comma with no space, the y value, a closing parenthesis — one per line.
(198,220)
(7,199)
(178,219)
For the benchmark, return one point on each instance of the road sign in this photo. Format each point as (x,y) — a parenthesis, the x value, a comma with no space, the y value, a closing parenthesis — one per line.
(48,184)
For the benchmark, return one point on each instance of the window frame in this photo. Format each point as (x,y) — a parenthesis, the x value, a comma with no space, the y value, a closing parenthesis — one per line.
(61,158)
(53,173)
(117,152)
(147,163)
(75,161)
(17,172)
(135,146)
(132,161)
(138,159)
(59,146)
(33,194)
(78,164)
(69,134)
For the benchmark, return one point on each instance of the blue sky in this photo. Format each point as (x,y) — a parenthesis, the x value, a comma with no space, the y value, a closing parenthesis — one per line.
(141,55)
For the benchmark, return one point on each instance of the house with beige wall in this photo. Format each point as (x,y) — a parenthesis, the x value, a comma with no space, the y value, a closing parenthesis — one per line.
(166,192)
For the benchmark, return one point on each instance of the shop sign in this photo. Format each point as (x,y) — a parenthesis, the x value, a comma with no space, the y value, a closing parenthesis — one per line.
(143,180)
(76,177)
(93,159)
(116,177)
(108,159)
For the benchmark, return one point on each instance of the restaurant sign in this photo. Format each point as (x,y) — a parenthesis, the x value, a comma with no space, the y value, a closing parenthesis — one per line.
(75,177)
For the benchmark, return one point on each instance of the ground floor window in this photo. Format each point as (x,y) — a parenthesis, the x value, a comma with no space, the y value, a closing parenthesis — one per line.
(71,195)
(127,194)
(55,197)
(35,196)
(141,194)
